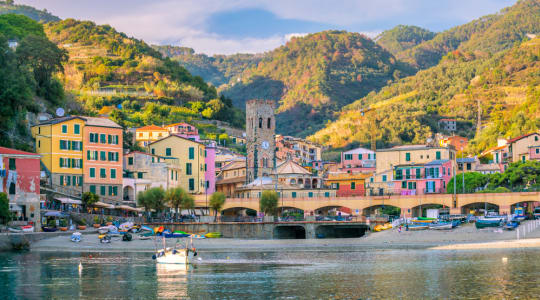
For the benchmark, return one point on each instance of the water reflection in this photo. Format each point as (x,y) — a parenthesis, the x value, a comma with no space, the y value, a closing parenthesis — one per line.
(417,274)
(172,281)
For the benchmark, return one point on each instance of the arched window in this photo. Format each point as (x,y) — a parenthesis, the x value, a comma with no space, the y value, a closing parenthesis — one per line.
(260,122)
(293,181)
(269,123)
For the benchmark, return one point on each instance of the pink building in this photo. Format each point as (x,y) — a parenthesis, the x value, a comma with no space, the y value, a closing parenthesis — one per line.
(359,160)
(19,179)
(534,152)
(210,167)
(184,130)
(419,179)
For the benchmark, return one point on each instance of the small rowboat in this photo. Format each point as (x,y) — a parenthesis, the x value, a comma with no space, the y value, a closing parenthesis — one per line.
(49,229)
(441,226)
(175,235)
(418,227)
(484,223)
(28,228)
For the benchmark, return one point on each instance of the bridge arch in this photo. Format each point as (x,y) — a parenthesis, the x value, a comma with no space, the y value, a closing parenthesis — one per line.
(235,211)
(333,210)
(528,205)
(478,208)
(421,209)
(382,209)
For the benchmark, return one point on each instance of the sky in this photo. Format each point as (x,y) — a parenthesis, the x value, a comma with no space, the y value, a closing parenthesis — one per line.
(253,26)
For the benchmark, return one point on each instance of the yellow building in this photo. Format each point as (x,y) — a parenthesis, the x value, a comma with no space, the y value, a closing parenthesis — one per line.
(60,143)
(148,134)
(191,156)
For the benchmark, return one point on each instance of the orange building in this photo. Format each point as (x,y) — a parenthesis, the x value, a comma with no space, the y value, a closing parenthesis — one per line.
(457,141)
(347,184)
(102,167)
(149,134)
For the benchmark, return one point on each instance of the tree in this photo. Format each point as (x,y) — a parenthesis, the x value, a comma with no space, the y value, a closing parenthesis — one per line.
(156,197)
(178,198)
(5,215)
(89,199)
(473,181)
(144,200)
(269,202)
(43,58)
(217,200)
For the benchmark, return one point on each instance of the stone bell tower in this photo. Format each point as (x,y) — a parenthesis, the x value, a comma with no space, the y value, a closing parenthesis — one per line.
(261,144)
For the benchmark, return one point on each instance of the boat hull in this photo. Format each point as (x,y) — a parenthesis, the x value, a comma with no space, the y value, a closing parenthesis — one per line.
(441,226)
(487,223)
(415,228)
(173,257)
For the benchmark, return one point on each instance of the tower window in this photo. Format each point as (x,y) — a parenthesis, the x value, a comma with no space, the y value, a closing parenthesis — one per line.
(260,122)
(268,124)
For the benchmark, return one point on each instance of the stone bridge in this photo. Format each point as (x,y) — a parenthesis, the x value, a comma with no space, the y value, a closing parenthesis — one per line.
(410,205)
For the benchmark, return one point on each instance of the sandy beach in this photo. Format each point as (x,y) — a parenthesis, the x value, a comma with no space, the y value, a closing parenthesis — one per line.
(464,237)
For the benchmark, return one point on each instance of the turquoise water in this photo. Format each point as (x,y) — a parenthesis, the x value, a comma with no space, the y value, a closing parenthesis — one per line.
(407,274)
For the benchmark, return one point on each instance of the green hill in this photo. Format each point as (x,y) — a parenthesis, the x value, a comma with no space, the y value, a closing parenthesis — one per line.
(313,76)
(217,69)
(403,37)
(42,16)
(488,34)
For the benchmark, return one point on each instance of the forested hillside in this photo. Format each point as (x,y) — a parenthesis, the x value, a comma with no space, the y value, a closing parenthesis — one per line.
(403,37)
(488,34)
(27,83)
(217,69)
(313,76)
(42,16)
(505,85)
(108,68)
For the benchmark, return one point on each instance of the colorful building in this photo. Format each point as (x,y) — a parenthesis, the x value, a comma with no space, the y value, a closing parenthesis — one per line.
(210,167)
(148,134)
(82,154)
(231,177)
(143,171)
(448,124)
(382,182)
(347,184)
(19,179)
(458,142)
(190,155)
(521,147)
(419,179)
(359,160)
(184,130)
(467,164)
(298,150)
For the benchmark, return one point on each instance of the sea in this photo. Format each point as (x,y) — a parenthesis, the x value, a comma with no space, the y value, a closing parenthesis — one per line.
(298,274)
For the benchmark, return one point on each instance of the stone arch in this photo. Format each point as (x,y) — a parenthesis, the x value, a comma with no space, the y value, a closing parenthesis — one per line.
(380,209)
(479,208)
(421,209)
(235,211)
(314,183)
(332,209)
(129,193)
(527,204)
(292,181)
(300,181)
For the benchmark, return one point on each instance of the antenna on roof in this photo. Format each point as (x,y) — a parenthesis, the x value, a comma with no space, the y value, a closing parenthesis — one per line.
(59,112)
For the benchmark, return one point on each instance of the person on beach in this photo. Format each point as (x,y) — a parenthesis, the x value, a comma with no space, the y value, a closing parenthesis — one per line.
(399,229)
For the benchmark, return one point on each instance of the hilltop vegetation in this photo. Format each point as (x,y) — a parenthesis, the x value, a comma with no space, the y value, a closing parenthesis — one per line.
(41,16)
(403,37)
(217,70)
(26,76)
(488,35)
(313,76)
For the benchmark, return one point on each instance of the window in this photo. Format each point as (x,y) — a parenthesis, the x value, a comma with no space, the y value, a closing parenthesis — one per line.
(168,151)
(92,172)
(310,194)
(399,174)
(293,194)
(407,156)
(188,169)
(61,179)
(64,128)
(12,164)
(77,129)
(172,174)
(384,178)
(102,155)
(191,153)
(353,185)
(360,156)
(408,173)
(260,122)
(269,123)
(404,184)
(537,150)
(370,180)
(103,138)
(39,145)
(438,155)
(80,181)
(63,145)
(102,173)
(68,180)
(93,189)
(191,184)
(12,189)
(140,175)
(469,166)
(102,190)
(418,173)
(130,161)
(536,138)
(113,173)
(327,194)
(523,158)
(153,151)
(348,156)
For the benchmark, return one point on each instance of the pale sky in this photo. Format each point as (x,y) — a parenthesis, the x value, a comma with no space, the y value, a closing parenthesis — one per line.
(251,26)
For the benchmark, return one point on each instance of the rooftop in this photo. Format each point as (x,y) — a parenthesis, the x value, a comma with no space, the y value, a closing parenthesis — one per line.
(290,167)
(521,137)
(90,121)
(358,151)
(151,128)
(466,160)
(4,150)
(410,148)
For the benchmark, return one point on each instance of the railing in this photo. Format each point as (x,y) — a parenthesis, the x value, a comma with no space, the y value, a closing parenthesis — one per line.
(433,191)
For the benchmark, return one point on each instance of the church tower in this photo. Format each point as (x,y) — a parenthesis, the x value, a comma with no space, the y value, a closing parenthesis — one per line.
(261,144)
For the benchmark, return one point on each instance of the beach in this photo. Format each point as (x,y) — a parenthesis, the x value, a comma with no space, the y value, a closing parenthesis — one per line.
(463,237)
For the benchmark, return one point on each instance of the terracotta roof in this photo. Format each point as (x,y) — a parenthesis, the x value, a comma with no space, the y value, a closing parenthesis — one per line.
(290,167)
(101,122)
(234,165)
(176,136)
(521,137)
(151,128)
(181,123)
(448,120)
(4,150)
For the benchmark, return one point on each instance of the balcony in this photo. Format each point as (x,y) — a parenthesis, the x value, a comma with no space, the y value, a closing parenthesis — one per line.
(433,191)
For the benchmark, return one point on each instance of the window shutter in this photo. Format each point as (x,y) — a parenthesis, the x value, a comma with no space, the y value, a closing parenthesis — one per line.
(61,162)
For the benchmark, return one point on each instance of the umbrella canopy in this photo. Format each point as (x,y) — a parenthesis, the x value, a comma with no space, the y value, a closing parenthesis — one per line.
(103,205)
(57,214)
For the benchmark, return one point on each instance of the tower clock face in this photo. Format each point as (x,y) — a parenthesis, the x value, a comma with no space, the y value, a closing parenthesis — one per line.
(265,145)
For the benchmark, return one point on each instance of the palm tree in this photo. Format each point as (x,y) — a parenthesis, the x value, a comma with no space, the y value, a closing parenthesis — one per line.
(217,200)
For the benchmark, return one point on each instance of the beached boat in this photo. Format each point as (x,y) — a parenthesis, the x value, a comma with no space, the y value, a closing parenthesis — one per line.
(49,229)
(511,225)
(27,228)
(484,223)
(14,230)
(456,223)
(426,219)
(213,235)
(441,226)
(423,221)
(175,235)
(418,227)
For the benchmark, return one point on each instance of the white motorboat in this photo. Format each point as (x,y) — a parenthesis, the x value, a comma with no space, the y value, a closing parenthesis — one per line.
(169,255)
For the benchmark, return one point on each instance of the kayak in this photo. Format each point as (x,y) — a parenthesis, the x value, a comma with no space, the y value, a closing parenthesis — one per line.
(198,236)
(213,235)
(175,235)
(426,219)
(423,221)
